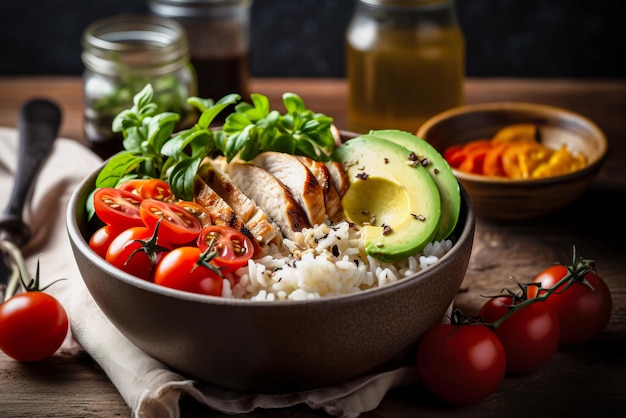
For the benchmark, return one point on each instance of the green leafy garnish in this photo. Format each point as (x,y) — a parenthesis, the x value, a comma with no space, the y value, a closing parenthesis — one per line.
(255,128)
(153,150)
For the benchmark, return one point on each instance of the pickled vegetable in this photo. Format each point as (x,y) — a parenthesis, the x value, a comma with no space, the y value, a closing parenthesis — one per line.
(515,152)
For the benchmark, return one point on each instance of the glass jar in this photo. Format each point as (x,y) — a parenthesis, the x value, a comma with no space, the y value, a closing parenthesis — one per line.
(405,62)
(122,54)
(218,34)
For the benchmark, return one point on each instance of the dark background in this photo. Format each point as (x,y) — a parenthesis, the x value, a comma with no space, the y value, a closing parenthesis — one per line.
(304,38)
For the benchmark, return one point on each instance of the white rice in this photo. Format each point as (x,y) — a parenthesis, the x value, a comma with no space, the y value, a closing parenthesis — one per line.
(324,261)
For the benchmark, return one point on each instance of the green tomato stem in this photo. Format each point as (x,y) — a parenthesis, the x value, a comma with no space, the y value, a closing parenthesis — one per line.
(18,267)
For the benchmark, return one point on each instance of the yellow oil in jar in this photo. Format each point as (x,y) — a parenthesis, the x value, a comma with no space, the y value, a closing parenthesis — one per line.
(399,77)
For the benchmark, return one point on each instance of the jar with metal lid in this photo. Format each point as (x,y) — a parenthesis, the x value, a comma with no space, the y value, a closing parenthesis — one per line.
(218,34)
(405,62)
(122,54)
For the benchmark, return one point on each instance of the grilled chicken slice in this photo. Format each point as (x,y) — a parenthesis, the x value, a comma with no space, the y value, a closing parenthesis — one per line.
(255,219)
(219,211)
(338,177)
(332,201)
(272,196)
(290,171)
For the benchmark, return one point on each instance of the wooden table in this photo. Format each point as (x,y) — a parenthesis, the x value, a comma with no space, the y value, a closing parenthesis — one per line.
(577,381)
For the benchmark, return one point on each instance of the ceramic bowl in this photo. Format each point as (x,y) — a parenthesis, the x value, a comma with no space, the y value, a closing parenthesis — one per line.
(272,347)
(503,199)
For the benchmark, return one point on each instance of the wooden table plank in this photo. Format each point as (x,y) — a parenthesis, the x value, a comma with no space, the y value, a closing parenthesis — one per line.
(576,381)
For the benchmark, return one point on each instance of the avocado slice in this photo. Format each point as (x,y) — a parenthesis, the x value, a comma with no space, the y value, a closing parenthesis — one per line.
(394,199)
(440,171)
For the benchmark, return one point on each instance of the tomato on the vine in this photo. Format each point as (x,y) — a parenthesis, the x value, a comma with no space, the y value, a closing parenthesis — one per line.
(119,208)
(461,364)
(136,252)
(495,308)
(178,226)
(148,188)
(33,326)
(183,269)
(530,335)
(584,307)
(232,247)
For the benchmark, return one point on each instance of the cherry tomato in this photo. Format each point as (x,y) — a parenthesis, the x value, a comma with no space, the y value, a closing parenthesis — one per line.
(584,308)
(461,364)
(495,308)
(101,239)
(530,336)
(178,226)
(119,208)
(181,269)
(33,326)
(134,252)
(199,211)
(233,247)
(148,188)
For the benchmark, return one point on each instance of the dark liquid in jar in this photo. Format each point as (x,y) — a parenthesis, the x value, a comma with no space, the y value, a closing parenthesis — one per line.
(220,76)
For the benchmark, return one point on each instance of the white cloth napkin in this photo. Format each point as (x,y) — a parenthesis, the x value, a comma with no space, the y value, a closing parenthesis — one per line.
(149,388)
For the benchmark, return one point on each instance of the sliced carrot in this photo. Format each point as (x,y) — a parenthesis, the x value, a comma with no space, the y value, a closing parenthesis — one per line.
(454,155)
(492,165)
(474,161)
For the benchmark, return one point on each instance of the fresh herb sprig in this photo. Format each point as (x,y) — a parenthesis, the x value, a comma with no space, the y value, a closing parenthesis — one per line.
(153,150)
(255,128)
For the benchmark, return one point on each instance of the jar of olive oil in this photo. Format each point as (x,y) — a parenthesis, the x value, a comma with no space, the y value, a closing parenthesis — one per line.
(405,62)
(122,54)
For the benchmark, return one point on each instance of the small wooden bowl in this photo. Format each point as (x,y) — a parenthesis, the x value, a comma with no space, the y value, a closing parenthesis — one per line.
(512,199)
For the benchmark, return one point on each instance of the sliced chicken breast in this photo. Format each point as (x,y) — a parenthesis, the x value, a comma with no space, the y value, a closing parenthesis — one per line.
(332,201)
(290,171)
(272,196)
(338,177)
(252,215)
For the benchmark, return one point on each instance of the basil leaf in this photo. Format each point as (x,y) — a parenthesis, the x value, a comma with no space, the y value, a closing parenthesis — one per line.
(182,178)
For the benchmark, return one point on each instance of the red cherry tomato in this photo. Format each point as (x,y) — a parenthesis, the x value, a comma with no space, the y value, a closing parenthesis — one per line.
(33,326)
(133,252)
(148,188)
(233,247)
(461,364)
(102,238)
(118,208)
(177,226)
(180,269)
(530,336)
(495,308)
(584,308)
(200,212)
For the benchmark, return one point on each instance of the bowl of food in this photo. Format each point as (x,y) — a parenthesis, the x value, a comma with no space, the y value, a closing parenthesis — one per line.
(306,294)
(518,161)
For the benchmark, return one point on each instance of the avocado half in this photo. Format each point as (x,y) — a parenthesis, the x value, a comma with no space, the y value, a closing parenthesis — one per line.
(440,171)
(394,199)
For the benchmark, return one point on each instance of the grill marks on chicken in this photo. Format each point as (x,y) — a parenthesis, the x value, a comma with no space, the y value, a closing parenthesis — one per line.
(273,196)
(332,200)
(304,187)
(246,209)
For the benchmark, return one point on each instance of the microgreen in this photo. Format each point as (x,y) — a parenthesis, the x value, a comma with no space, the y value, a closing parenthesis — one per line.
(153,150)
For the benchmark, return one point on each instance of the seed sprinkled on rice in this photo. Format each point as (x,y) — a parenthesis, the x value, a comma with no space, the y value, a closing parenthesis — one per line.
(324,261)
